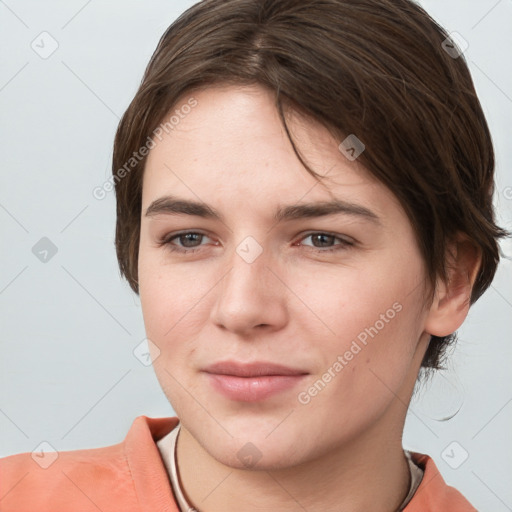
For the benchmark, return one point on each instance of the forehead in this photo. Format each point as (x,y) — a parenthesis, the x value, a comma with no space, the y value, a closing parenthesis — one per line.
(232,145)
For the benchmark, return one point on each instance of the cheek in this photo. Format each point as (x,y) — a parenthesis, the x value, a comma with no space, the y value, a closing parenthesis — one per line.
(374,321)
(364,367)
(176,305)
(171,297)
(171,307)
(348,304)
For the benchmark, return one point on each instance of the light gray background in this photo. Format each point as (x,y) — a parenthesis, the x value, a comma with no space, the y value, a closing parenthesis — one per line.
(69,326)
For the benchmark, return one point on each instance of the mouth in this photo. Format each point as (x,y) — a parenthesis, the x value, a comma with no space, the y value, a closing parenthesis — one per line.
(251,382)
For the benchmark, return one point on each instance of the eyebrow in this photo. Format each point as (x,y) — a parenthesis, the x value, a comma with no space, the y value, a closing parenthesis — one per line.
(170,205)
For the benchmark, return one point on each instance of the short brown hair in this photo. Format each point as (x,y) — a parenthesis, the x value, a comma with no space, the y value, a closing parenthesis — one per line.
(373,68)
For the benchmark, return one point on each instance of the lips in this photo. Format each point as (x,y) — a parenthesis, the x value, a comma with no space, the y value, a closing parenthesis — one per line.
(250,382)
(256,369)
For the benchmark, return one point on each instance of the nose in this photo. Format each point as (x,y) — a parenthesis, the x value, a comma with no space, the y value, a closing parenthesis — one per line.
(250,298)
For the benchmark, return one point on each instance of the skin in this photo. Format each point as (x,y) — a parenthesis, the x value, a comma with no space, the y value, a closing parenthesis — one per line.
(296,304)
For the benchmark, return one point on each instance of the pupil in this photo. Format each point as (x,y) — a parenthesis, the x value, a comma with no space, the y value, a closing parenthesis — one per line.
(189,237)
(325,238)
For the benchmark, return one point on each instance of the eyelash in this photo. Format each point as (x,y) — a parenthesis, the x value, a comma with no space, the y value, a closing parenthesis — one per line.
(167,241)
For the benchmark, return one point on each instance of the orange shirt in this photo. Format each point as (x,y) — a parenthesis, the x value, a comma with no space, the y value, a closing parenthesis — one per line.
(131,477)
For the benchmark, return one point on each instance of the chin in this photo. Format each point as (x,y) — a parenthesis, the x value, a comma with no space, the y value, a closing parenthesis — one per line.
(262,455)
(256,443)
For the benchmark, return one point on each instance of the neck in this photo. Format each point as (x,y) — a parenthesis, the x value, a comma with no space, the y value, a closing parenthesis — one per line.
(367,472)
(371,473)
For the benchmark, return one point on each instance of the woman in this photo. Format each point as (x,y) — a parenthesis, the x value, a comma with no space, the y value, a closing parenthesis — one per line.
(304,204)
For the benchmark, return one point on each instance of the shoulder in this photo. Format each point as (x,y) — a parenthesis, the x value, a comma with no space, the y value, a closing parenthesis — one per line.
(79,479)
(112,478)
(433,493)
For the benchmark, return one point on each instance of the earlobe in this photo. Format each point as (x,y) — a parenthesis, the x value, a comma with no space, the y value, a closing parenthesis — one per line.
(452,296)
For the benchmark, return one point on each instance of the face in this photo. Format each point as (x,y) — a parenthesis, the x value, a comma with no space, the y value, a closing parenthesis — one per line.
(272,315)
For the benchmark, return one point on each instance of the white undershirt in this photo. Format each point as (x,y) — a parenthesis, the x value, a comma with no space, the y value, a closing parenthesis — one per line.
(167,447)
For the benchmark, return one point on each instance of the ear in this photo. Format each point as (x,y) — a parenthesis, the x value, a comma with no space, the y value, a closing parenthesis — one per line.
(452,297)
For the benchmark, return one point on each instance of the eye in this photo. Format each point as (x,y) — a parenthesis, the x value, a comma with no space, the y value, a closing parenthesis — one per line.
(190,242)
(187,242)
(326,242)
